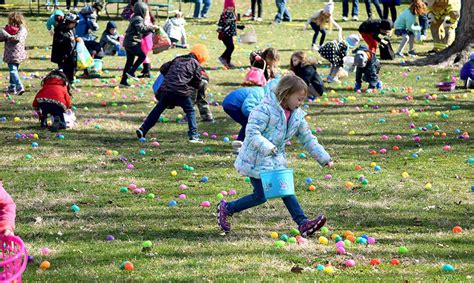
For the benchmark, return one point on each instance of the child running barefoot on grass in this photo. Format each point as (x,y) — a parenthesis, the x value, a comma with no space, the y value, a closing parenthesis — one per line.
(7,212)
(270,126)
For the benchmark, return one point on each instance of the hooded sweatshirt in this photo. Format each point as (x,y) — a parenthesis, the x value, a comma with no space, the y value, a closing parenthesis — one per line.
(137,28)
(110,38)
(53,19)
(174,27)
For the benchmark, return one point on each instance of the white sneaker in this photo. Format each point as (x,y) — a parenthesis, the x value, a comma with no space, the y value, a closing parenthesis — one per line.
(355,18)
(236,146)
(344,19)
(315,47)
(195,140)
(259,19)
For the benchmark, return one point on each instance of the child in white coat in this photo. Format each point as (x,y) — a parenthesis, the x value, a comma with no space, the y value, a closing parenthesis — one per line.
(174,27)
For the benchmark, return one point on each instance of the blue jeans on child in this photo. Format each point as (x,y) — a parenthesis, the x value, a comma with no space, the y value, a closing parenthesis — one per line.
(15,82)
(283,13)
(236,114)
(345,8)
(258,197)
(318,29)
(198,13)
(172,99)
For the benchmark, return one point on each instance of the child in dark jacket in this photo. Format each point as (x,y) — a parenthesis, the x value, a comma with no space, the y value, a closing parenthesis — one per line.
(132,41)
(182,78)
(110,39)
(53,98)
(64,46)
(371,31)
(368,68)
(227,29)
(305,68)
(467,73)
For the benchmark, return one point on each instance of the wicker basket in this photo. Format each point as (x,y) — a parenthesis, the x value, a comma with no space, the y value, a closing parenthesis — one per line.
(249,37)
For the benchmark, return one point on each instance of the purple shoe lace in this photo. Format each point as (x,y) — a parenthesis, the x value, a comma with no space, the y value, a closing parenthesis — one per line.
(309,227)
(222,214)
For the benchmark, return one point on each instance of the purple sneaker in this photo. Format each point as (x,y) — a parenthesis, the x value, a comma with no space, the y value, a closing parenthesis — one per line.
(308,228)
(222,214)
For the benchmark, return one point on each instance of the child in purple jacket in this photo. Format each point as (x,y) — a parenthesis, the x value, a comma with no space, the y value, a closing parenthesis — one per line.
(467,73)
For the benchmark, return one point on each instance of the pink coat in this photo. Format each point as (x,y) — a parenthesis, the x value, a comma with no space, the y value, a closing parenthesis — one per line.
(7,210)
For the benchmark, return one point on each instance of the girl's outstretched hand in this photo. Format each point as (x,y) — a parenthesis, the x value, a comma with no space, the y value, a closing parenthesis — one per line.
(330,164)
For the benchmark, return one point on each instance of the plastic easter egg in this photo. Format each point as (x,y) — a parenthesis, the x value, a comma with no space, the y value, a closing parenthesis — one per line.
(341,250)
(340,244)
(147,244)
(172,203)
(75,208)
(349,185)
(329,269)
(398,137)
(16,119)
(294,232)
(371,240)
(395,148)
(377,168)
(127,266)
(447,148)
(323,240)
(324,230)
(364,182)
(150,196)
(274,235)
(312,188)
(328,177)
(123,190)
(45,265)
(284,237)
(232,192)
(204,179)
(428,186)
(350,263)
(383,150)
(182,196)
(302,155)
(34,145)
(130,166)
(219,196)
(358,167)
(226,139)
(142,152)
(405,175)
(347,242)
(45,251)
(205,204)
(394,262)
(447,268)
(142,139)
(338,239)
(402,250)
(155,144)
(320,267)
(308,180)
(457,230)
(110,238)
(174,173)
(280,244)
(292,240)
(375,262)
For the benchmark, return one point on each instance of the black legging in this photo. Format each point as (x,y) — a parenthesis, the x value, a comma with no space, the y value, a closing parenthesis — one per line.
(229,48)
(52,109)
(318,29)
(259,3)
(68,65)
(130,66)
(393,11)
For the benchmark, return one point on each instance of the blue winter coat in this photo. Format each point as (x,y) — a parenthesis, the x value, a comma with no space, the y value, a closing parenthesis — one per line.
(267,128)
(236,99)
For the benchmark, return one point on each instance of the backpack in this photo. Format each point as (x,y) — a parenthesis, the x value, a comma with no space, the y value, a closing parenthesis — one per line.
(386,50)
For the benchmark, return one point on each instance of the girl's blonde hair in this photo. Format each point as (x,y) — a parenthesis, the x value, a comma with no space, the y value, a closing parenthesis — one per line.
(304,59)
(323,20)
(417,7)
(16,19)
(288,85)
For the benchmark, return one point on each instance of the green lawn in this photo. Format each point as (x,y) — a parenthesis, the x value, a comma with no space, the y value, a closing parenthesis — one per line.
(187,244)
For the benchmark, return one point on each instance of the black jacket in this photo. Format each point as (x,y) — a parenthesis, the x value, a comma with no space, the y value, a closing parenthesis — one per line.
(310,76)
(137,28)
(372,27)
(64,45)
(183,75)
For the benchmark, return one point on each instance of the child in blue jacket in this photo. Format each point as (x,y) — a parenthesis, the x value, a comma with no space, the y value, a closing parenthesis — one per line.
(368,68)
(271,124)
(467,73)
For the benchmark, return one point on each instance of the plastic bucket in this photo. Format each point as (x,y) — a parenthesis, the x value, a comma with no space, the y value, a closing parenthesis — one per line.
(157,83)
(97,67)
(278,183)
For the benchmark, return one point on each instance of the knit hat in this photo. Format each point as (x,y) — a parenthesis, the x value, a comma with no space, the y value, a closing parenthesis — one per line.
(201,53)
(329,8)
(111,25)
(360,59)
(98,5)
(386,24)
(472,56)
(229,4)
(353,40)
(71,18)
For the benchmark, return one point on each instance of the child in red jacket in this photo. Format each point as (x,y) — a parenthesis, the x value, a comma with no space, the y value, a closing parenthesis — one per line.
(7,212)
(53,98)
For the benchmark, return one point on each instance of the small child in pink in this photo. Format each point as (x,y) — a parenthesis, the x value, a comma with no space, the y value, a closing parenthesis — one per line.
(7,212)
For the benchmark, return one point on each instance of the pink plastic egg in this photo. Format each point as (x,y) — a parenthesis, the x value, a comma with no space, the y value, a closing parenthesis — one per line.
(224,193)
(447,148)
(383,151)
(371,240)
(155,144)
(341,250)
(398,137)
(205,204)
(417,139)
(412,126)
(132,186)
(205,134)
(232,192)
(130,166)
(384,137)
(182,196)
(45,251)
(340,244)
(183,187)
(328,177)
(350,263)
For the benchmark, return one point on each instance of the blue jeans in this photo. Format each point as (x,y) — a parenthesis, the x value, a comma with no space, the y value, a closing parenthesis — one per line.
(239,117)
(197,8)
(318,29)
(172,99)
(15,82)
(423,19)
(258,197)
(377,7)
(283,13)
(345,8)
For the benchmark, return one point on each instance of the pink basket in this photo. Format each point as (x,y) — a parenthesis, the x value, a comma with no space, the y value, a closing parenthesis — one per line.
(446,86)
(14,259)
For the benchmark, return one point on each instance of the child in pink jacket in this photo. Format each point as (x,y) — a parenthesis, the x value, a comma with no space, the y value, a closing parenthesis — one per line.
(7,212)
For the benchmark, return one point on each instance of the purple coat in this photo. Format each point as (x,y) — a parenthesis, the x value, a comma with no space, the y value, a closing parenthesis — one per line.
(467,71)
(15,52)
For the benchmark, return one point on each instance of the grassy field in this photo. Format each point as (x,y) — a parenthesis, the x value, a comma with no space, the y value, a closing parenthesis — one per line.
(187,244)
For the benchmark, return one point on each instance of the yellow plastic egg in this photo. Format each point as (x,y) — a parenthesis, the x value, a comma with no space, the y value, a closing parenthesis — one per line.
(405,175)
(428,186)
(274,235)
(323,240)
(174,173)
(373,164)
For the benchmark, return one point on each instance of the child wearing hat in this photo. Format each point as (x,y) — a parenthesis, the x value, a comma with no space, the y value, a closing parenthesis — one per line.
(54,20)
(174,27)
(371,31)
(467,73)
(227,29)
(368,68)
(183,76)
(335,51)
(110,39)
(320,21)
(63,52)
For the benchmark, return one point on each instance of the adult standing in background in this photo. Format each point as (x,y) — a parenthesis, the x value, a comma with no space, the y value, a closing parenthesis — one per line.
(369,8)
(390,5)
(345,10)
(198,13)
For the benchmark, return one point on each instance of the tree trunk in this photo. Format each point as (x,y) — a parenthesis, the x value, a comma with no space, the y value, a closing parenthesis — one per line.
(458,52)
